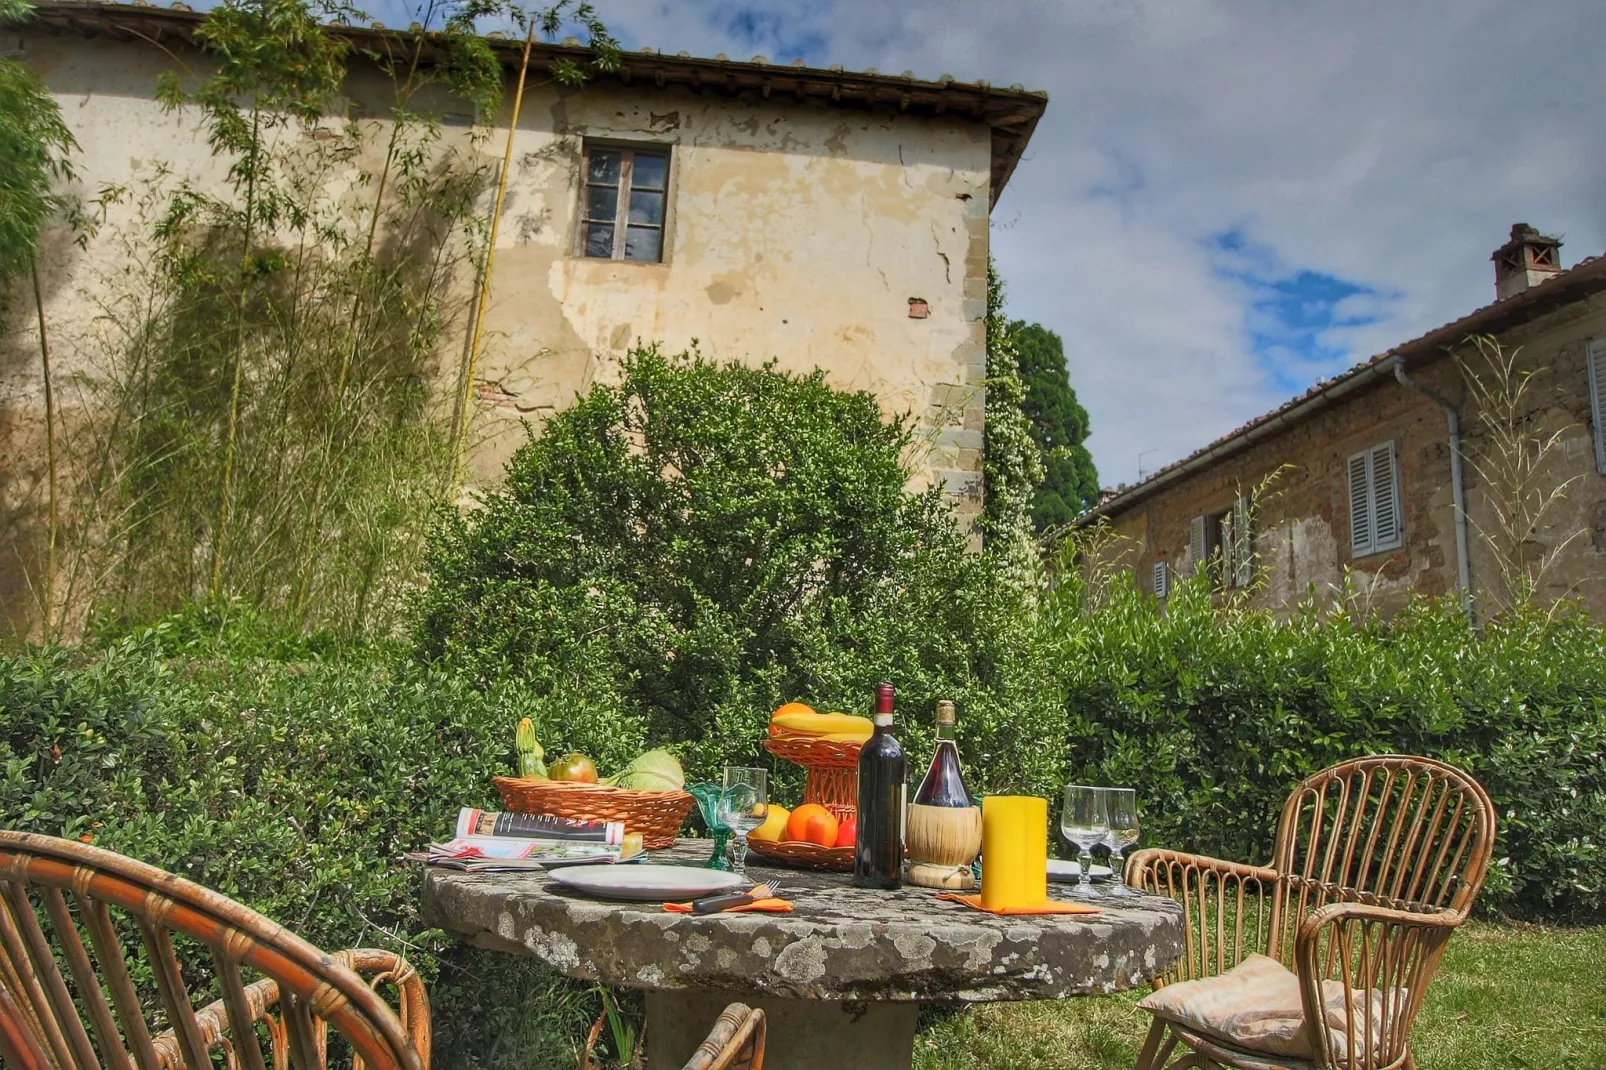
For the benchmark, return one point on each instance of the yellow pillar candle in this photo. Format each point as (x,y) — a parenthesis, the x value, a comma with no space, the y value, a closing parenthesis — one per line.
(1014,851)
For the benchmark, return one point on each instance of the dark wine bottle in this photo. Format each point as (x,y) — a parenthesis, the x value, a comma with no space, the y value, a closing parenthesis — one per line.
(944,785)
(883,788)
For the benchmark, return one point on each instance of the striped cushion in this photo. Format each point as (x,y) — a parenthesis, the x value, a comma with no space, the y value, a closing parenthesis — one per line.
(1256,1006)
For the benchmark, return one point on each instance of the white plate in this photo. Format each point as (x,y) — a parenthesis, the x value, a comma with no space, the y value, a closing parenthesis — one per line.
(647,883)
(1060,869)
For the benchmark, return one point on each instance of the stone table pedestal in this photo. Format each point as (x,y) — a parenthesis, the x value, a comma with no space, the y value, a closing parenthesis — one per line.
(841,976)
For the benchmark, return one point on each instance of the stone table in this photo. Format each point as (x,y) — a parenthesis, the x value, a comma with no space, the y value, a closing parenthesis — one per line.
(839,979)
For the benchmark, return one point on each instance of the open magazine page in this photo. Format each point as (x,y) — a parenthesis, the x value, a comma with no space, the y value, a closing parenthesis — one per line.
(487,841)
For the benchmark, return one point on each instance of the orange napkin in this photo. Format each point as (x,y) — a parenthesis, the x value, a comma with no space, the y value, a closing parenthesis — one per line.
(1047,906)
(762,906)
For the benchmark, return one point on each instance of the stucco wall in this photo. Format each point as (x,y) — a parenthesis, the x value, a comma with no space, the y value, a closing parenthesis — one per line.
(795,232)
(1302,539)
(798,234)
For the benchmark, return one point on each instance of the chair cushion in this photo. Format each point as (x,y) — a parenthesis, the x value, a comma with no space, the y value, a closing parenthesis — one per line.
(1256,1006)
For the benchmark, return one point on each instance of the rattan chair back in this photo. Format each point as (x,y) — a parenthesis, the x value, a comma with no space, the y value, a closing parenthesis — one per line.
(1394,831)
(74,890)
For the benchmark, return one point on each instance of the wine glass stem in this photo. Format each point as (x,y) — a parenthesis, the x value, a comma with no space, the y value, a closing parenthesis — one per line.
(740,848)
(1084,858)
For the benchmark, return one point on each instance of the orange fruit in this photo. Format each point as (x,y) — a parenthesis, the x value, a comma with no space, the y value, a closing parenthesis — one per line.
(792,707)
(812,823)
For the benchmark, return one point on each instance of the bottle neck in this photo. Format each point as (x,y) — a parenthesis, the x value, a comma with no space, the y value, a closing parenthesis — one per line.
(883,721)
(945,733)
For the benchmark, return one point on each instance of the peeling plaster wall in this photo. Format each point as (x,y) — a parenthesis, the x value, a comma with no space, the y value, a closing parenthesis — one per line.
(1302,539)
(794,233)
(798,234)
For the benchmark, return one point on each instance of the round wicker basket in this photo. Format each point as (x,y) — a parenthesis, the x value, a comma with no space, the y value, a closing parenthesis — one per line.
(814,753)
(657,815)
(800,855)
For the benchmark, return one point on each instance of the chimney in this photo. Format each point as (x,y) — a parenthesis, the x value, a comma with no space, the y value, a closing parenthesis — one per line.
(1525,261)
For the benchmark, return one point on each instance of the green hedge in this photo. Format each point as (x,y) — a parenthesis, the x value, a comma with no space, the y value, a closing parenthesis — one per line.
(293,787)
(1214,713)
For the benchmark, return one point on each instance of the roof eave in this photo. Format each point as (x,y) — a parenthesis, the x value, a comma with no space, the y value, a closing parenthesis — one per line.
(1569,287)
(1011,114)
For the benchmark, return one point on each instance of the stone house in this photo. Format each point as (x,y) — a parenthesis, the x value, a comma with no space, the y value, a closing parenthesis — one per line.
(1393,473)
(820,218)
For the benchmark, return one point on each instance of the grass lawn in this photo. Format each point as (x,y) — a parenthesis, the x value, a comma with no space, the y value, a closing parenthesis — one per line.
(1505,996)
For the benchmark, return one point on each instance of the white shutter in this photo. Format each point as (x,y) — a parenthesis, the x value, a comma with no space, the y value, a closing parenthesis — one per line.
(1385,498)
(1374,501)
(1360,505)
(1597,399)
(1162,580)
(1196,543)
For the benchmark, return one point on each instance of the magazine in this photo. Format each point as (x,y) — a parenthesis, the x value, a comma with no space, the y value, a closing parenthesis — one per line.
(490,842)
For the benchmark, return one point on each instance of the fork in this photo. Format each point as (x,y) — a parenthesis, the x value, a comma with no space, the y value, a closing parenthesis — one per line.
(715,904)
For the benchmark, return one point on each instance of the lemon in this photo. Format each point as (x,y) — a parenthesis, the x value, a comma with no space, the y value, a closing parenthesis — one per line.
(774,826)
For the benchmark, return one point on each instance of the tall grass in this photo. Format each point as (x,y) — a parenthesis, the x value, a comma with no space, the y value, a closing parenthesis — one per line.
(263,420)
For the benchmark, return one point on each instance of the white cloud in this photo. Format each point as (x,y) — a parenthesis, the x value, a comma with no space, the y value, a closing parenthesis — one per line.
(1389,143)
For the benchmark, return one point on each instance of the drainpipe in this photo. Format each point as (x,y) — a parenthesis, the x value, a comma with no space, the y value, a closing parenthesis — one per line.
(1452,416)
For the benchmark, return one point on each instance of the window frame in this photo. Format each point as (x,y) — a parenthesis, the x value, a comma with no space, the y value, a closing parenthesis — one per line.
(1228,544)
(628,151)
(1375,545)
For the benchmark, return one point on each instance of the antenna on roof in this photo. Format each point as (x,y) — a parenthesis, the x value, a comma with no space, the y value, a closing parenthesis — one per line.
(1141,455)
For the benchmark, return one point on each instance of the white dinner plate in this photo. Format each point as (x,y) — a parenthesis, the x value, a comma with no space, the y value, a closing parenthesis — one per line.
(1060,869)
(647,883)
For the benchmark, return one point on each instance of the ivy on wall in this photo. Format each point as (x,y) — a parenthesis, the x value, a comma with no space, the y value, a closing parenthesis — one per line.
(1011,464)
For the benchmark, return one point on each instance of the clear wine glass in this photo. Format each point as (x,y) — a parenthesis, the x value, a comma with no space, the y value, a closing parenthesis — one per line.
(744,802)
(1086,823)
(1122,804)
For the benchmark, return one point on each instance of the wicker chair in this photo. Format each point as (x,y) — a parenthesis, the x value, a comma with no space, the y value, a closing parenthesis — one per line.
(1377,861)
(301,992)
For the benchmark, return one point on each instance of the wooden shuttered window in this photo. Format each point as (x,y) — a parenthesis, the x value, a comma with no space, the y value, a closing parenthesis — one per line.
(1225,544)
(1238,544)
(1374,501)
(1597,399)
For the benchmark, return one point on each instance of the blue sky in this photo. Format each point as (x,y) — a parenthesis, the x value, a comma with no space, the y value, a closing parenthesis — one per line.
(1231,199)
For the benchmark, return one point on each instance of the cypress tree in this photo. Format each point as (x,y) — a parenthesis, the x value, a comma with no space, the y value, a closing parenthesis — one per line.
(1059,426)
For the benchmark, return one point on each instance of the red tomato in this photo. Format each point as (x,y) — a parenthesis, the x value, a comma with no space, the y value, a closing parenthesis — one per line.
(847,833)
(573,767)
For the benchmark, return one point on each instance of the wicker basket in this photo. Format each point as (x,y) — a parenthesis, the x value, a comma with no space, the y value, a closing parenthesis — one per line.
(833,771)
(801,855)
(812,753)
(657,815)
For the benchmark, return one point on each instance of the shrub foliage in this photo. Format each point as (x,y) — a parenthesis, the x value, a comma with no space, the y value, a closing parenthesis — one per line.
(1214,713)
(679,554)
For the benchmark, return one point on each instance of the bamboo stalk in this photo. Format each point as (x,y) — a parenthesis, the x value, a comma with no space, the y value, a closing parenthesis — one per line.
(50,447)
(466,391)
(239,360)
